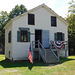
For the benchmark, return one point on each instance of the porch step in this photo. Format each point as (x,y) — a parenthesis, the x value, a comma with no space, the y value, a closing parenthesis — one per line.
(52,61)
(50,57)
(36,49)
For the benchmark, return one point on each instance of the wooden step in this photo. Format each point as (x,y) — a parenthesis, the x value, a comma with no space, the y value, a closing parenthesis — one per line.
(50,57)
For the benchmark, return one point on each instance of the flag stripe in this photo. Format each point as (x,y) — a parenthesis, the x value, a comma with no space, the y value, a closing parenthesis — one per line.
(30,55)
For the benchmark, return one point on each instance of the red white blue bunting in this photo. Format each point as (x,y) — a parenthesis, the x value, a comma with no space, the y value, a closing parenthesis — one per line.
(58,44)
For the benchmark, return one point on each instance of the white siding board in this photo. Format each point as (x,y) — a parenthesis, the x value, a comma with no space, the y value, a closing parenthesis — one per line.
(8,46)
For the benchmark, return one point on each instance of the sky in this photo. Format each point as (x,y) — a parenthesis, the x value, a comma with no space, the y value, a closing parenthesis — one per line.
(59,6)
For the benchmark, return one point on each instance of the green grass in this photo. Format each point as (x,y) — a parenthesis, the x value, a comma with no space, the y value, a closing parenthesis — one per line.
(64,67)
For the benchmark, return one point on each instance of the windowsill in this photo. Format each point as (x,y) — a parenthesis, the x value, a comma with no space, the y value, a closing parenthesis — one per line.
(53,26)
(9,42)
(24,41)
(32,24)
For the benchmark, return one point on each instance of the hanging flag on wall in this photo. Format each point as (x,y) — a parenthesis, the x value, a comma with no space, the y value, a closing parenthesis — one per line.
(30,55)
(58,44)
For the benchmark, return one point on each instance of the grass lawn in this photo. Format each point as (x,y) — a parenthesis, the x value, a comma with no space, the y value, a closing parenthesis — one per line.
(64,67)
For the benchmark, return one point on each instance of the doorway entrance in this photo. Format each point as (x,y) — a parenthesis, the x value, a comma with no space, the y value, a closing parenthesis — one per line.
(38,36)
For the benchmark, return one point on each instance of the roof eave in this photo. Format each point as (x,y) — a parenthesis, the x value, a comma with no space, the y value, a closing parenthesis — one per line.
(8,24)
(56,14)
(43,5)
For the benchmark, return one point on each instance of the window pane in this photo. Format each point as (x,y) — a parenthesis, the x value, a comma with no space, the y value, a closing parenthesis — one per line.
(23,36)
(59,36)
(9,37)
(53,21)
(31,19)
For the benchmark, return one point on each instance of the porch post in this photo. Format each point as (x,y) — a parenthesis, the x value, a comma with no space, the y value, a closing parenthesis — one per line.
(45,53)
(66,50)
(66,54)
(32,49)
(39,51)
(58,53)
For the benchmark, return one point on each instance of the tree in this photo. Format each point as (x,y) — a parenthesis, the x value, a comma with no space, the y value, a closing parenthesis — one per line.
(72,7)
(3,21)
(17,11)
(5,17)
(22,9)
(71,33)
(71,28)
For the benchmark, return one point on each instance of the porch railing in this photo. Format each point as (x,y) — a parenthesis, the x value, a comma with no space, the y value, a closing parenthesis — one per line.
(65,47)
(39,45)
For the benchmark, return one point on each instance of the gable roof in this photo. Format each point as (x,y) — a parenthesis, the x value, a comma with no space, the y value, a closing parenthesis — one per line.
(42,5)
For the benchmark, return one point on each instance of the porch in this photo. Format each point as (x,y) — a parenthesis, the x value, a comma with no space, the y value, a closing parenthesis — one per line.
(49,54)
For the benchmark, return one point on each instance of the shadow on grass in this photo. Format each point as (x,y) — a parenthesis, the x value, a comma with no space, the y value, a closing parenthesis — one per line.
(62,59)
(9,64)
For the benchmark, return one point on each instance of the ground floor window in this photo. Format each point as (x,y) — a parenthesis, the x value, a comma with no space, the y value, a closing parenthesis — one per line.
(23,36)
(9,37)
(59,36)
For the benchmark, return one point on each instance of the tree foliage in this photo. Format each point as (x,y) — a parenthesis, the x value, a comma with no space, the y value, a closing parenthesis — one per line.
(17,11)
(5,17)
(71,28)
(3,21)
(71,33)
(72,7)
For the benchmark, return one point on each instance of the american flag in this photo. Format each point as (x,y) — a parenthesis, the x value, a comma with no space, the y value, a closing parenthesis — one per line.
(30,55)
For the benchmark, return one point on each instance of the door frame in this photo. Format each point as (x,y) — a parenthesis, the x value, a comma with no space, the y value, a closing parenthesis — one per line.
(37,35)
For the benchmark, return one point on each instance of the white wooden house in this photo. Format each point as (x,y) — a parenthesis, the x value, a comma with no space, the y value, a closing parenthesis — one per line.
(40,23)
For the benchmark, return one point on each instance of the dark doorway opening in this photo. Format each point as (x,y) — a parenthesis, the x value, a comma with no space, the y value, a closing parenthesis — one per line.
(56,53)
(38,36)
(36,54)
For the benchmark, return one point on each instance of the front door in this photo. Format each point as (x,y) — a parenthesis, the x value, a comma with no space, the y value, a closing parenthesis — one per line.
(45,38)
(38,36)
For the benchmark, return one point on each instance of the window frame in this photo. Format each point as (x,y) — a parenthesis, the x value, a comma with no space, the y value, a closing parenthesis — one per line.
(9,37)
(24,33)
(56,36)
(54,20)
(59,36)
(31,19)
(19,34)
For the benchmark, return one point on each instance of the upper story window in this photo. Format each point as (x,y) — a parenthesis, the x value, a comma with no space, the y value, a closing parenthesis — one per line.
(53,21)
(31,19)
